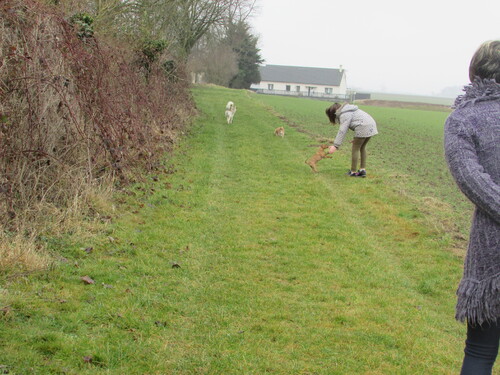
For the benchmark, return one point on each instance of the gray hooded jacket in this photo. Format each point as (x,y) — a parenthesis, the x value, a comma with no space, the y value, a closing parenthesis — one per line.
(472,149)
(351,117)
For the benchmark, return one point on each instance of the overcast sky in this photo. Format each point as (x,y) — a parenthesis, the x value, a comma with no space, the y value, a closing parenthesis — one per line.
(395,46)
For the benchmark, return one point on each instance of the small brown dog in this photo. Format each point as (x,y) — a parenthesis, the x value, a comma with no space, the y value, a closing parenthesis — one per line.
(280,132)
(320,154)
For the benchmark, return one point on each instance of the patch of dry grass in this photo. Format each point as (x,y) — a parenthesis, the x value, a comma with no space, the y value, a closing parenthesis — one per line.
(84,217)
(21,254)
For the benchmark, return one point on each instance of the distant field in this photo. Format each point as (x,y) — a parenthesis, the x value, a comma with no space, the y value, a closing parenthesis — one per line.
(413,98)
(408,149)
(405,105)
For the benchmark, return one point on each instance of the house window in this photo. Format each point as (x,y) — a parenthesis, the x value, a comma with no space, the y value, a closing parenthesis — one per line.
(288,87)
(270,86)
(297,88)
(328,90)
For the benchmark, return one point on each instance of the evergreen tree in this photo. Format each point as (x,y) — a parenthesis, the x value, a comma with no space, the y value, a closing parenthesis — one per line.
(248,55)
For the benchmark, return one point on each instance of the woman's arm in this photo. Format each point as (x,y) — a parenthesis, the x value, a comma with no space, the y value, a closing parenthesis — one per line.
(345,120)
(469,175)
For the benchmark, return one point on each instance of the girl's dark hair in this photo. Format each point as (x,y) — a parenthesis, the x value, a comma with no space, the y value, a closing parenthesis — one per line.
(331,112)
(486,62)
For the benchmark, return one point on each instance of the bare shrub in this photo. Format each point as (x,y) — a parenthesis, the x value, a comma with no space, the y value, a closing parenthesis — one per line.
(73,114)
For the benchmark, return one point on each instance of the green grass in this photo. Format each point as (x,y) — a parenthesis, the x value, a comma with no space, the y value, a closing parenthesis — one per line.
(408,153)
(241,261)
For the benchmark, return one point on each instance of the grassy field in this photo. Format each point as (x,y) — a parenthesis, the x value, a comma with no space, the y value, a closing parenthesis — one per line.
(408,154)
(239,260)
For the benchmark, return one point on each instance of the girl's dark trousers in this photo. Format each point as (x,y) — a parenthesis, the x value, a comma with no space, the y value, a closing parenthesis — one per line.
(358,151)
(481,348)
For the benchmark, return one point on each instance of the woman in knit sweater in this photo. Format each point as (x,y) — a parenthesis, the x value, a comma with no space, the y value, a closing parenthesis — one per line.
(472,149)
(351,117)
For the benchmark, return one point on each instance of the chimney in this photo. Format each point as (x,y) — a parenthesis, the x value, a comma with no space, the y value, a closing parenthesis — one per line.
(341,69)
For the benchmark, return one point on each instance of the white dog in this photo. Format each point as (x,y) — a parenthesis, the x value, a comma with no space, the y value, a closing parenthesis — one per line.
(230,111)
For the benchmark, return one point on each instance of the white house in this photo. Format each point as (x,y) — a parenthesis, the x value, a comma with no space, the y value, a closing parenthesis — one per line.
(302,81)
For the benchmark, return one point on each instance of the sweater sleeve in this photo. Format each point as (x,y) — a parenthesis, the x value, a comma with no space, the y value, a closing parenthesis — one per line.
(345,120)
(469,175)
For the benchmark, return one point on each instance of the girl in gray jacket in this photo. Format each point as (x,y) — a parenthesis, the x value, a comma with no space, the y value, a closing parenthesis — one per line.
(351,117)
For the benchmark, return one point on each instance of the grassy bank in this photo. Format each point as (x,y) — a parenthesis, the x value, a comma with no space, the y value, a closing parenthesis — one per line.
(239,260)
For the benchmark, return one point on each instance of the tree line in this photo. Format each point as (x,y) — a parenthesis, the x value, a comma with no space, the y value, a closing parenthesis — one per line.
(213,38)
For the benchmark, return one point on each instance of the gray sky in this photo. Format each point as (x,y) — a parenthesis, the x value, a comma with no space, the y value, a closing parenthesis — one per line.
(394,46)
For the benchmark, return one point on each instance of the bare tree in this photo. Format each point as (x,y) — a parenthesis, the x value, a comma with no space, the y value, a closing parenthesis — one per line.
(215,62)
(182,23)
(241,10)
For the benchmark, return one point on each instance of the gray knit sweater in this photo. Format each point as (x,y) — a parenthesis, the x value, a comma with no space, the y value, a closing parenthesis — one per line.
(472,149)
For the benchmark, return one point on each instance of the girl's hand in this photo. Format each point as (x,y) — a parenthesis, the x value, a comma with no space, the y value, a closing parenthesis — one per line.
(332,149)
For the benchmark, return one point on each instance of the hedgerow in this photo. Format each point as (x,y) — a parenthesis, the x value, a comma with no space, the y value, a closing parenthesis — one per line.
(75,112)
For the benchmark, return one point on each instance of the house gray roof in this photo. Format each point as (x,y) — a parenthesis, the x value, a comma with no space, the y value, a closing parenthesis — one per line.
(301,74)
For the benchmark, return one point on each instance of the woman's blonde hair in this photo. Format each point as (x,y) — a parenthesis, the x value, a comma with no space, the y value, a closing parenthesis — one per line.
(486,62)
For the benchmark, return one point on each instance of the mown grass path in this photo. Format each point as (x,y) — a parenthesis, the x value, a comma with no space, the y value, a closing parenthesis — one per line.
(241,261)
